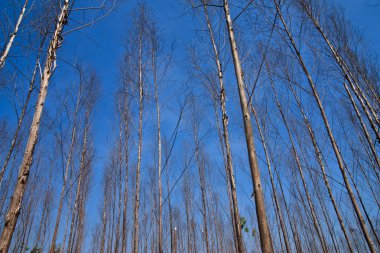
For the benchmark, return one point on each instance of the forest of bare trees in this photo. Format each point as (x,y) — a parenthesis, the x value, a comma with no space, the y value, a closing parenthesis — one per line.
(188,126)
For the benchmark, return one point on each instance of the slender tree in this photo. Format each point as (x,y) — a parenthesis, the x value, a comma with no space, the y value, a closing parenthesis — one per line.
(226,142)
(265,238)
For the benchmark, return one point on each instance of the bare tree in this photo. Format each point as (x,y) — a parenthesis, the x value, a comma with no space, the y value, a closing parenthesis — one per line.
(201,164)
(14,209)
(265,239)
(222,104)
(91,89)
(155,48)
(70,156)
(140,29)
(276,201)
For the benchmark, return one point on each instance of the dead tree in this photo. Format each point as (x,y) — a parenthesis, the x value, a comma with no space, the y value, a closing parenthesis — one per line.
(125,117)
(155,48)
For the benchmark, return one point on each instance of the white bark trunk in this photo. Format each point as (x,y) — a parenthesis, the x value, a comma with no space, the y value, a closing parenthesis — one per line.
(5,53)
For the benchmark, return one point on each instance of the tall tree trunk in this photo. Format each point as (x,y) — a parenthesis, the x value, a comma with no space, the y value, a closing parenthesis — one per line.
(159,146)
(16,203)
(201,171)
(366,133)
(230,173)
(104,217)
(120,187)
(228,185)
(265,239)
(125,197)
(293,225)
(330,134)
(45,212)
(171,229)
(137,189)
